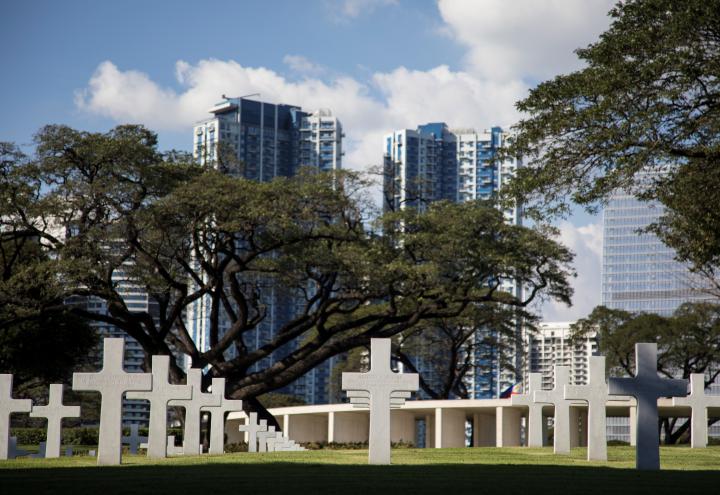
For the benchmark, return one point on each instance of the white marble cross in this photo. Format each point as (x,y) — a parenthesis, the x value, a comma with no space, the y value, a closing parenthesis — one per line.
(162,393)
(698,401)
(274,442)
(380,382)
(41,451)
(134,439)
(14,451)
(647,387)
(217,416)
(556,396)
(191,440)
(8,405)
(595,393)
(535,416)
(55,411)
(361,399)
(112,382)
(252,427)
(171,448)
(263,438)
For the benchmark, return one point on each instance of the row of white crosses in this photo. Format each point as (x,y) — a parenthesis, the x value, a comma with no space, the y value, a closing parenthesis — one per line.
(54,412)
(646,387)
(112,382)
(380,390)
(264,438)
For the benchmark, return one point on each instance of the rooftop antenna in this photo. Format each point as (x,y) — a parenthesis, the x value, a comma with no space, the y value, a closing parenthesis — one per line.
(239,97)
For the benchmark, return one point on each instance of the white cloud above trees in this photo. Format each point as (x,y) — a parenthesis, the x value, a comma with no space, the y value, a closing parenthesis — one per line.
(508,47)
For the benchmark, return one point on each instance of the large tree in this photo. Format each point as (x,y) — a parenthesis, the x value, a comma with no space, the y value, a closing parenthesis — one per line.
(38,348)
(446,352)
(688,342)
(643,114)
(112,211)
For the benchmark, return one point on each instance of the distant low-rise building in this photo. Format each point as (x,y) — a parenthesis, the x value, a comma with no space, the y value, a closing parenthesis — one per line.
(552,345)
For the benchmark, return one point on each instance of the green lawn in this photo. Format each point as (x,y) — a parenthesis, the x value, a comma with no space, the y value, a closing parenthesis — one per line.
(414,471)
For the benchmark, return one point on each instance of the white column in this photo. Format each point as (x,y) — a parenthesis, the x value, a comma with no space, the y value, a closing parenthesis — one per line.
(483,430)
(331,427)
(633,425)
(507,424)
(453,428)
(286,425)
(438,428)
(429,432)
(402,427)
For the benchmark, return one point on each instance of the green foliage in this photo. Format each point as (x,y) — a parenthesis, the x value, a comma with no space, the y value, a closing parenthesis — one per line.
(35,346)
(108,208)
(451,349)
(76,436)
(688,342)
(647,100)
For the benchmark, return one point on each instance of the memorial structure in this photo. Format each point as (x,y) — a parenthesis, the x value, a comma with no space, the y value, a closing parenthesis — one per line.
(217,416)
(647,387)
(13,450)
(111,382)
(263,438)
(252,427)
(55,411)
(161,394)
(534,433)
(8,406)
(698,401)
(595,393)
(380,382)
(556,397)
(134,440)
(193,407)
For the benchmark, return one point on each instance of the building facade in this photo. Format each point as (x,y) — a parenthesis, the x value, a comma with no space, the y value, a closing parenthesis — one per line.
(267,140)
(137,300)
(260,141)
(640,273)
(434,162)
(552,345)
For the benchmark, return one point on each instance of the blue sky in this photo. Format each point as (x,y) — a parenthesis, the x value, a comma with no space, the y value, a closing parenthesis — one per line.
(52,48)
(378,64)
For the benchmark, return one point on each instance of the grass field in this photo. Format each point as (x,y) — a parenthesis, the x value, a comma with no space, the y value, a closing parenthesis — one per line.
(414,471)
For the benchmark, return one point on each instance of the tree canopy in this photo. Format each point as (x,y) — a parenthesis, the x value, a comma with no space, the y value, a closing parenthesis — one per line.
(37,348)
(643,115)
(112,212)
(688,342)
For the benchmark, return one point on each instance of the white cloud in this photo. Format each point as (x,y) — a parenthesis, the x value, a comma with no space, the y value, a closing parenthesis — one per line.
(303,66)
(528,39)
(407,98)
(349,9)
(586,242)
(508,47)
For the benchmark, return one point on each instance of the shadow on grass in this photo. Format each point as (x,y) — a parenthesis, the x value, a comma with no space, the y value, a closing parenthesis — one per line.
(284,478)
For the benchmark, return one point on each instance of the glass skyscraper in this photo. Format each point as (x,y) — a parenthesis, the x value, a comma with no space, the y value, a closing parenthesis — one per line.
(267,140)
(640,273)
(434,162)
